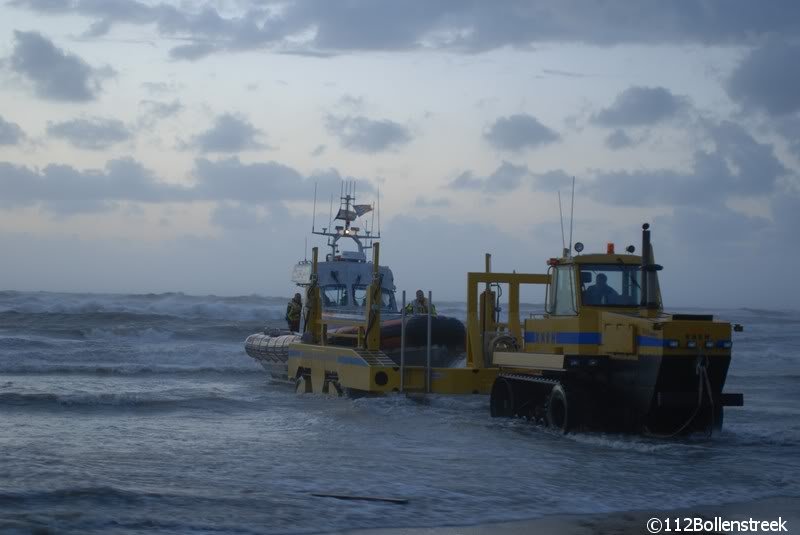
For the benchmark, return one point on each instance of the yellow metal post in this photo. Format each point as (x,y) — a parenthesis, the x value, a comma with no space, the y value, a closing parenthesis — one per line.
(373,308)
(513,312)
(474,346)
(314,313)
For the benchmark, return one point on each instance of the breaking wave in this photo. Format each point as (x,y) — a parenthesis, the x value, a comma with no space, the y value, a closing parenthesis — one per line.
(242,308)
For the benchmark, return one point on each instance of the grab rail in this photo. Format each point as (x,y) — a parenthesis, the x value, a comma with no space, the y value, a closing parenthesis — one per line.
(403,345)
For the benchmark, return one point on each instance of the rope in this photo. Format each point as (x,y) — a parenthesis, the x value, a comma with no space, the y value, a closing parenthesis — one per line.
(703,384)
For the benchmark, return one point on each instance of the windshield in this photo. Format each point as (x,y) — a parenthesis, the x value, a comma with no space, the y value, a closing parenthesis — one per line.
(610,285)
(335,295)
(360,293)
(338,296)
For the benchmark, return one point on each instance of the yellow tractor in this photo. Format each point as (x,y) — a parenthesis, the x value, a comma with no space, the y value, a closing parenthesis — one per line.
(604,355)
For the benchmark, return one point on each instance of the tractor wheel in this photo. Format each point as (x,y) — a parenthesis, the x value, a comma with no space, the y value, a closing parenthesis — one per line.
(561,414)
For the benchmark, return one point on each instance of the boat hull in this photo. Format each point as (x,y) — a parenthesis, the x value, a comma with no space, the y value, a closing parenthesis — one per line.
(271,349)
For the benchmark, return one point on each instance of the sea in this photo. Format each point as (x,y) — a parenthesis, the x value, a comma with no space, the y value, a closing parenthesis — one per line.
(142,414)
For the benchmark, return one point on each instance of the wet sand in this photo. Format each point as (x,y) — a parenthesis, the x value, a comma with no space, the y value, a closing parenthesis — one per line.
(622,523)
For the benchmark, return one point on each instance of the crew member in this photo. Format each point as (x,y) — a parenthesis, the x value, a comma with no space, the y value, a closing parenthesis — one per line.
(419,306)
(600,293)
(293,312)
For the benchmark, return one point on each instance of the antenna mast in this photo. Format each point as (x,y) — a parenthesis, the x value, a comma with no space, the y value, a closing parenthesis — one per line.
(571,213)
(561,217)
(314,216)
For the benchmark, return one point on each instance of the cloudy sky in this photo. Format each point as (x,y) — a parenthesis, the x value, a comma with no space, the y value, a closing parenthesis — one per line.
(150,146)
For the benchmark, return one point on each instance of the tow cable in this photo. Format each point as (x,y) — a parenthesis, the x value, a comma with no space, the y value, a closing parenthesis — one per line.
(704,383)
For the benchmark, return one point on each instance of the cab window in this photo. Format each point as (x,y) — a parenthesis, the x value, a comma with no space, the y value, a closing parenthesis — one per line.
(563,292)
(610,285)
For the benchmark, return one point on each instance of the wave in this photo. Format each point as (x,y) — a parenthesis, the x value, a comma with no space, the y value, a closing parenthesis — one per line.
(247,368)
(41,328)
(13,342)
(252,307)
(133,400)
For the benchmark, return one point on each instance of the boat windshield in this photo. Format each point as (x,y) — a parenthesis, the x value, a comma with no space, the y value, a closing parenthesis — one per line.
(360,293)
(335,295)
(338,296)
(610,285)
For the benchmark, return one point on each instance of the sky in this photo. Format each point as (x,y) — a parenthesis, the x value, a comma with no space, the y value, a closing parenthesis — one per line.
(156,146)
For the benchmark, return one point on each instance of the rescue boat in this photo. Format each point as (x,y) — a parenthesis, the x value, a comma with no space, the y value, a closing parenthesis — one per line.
(343,280)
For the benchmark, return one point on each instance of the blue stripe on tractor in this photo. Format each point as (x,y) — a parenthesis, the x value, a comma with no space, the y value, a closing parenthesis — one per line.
(572,338)
(649,341)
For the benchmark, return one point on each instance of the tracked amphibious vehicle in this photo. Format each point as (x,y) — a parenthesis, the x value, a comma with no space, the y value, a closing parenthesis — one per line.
(603,355)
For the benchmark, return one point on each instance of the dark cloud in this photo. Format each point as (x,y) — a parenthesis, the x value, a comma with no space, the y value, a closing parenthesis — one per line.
(319,150)
(618,139)
(361,134)
(519,132)
(90,133)
(715,223)
(54,73)
(739,166)
(320,27)
(10,133)
(161,109)
(550,181)
(233,180)
(154,111)
(507,177)
(641,106)
(230,133)
(768,79)
(64,189)
(192,52)
(65,186)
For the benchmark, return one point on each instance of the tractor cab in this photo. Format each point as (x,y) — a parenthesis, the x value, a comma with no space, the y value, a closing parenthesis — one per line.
(621,283)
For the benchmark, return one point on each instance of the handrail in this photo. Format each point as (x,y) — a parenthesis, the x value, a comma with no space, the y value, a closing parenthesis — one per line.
(428,354)
(403,345)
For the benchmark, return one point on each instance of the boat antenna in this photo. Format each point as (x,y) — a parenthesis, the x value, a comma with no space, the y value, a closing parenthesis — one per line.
(372,225)
(379,210)
(561,217)
(305,248)
(314,216)
(571,213)
(330,215)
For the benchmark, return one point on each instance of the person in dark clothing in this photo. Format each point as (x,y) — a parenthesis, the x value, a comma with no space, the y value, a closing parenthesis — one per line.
(293,312)
(600,293)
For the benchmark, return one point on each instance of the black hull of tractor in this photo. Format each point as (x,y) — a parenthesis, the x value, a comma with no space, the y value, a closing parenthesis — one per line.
(662,396)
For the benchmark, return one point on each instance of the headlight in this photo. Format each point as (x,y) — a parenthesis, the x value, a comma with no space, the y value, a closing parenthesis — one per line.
(691,344)
(709,344)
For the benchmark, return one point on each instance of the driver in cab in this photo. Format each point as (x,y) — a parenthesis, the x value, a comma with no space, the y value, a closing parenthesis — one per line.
(600,293)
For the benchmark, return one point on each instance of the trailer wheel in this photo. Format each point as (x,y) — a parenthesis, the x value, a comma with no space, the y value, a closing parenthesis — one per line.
(501,400)
(559,414)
